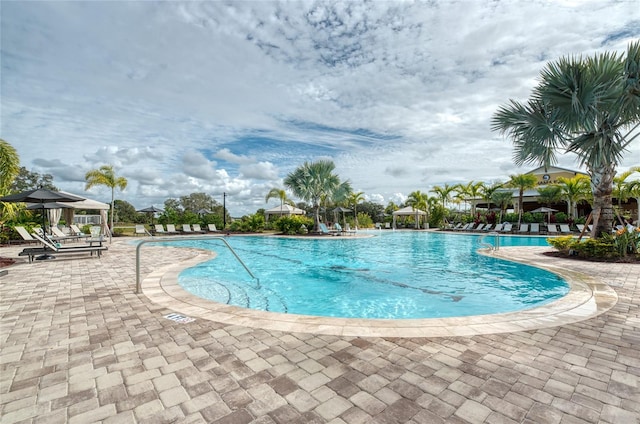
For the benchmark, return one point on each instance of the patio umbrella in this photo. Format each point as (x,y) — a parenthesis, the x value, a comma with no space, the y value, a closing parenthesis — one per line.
(40,196)
(152,210)
(545,210)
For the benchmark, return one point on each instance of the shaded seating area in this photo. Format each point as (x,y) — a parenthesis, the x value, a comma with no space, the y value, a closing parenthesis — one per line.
(48,249)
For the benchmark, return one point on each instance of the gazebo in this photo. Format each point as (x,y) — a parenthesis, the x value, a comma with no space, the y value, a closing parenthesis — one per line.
(283,210)
(86,204)
(409,211)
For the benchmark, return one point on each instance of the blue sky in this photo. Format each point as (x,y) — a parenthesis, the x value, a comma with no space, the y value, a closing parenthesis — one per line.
(185,97)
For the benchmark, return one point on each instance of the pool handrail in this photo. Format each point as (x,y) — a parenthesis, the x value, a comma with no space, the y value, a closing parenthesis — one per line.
(489,245)
(185,238)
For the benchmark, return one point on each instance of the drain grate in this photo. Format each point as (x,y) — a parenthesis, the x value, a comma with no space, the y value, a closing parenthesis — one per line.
(179,318)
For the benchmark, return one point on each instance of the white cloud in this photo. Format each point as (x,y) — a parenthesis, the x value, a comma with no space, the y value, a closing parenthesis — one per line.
(230,97)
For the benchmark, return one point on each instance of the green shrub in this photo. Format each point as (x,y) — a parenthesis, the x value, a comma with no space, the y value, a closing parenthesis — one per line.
(249,224)
(292,224)
(595,249)
(561,217)
(563,244)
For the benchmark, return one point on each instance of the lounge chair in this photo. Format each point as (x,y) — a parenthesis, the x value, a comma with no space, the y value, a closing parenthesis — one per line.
(564,228)
(159,228)
(506,227)
(212,228)
(580,228)
(524,228)
(171,229)
(349,230)
(552,229)
(76,231)
(25,234)
(387,226)
(487,227)
(141,230)
(186,229)
(480,227)
(498,228)
(535,228)
(325,230)
(49,248)
(58,235)
(197,229)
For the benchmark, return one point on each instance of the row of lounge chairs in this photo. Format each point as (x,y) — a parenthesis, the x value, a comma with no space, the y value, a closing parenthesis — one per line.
(159,229)
(534,228)
(50,245)
(337,230)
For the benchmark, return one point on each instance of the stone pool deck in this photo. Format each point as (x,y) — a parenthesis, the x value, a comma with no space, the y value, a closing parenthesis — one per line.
(78,345)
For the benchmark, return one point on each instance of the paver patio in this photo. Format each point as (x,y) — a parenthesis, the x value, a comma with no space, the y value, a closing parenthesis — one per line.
(78,345)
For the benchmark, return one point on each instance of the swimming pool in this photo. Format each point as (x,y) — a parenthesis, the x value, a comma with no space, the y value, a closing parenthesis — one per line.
(394,275)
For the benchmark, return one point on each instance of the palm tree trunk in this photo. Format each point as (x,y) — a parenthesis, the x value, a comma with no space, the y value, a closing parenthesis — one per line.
(602,188)
(316,226)
(113,196)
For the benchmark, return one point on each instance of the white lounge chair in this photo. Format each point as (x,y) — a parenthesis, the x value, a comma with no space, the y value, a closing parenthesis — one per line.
(524,228)
(506,227)
(197,229)
(186,228)
(564,228)
(498,228)
(160,229)
(22,232)
(171,229)
(140,230)
(212,228)
(552,229)
(535,228)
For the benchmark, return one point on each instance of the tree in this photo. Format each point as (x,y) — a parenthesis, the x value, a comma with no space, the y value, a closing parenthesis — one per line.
(28,180)
(353,200)
(471,190)
(313,181)
(627,189)
(280,194)
(573,190)
(550,194)
(503,199)
(487,192)
(106,176)
(587,106)
(444,193)
(126,212)
(522,182)
(9,169)
(196,202)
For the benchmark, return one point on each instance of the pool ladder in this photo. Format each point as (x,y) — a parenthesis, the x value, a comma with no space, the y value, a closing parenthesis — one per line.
(488,245)
(187,238)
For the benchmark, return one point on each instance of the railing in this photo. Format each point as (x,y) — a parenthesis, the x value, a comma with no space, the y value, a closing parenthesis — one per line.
(490,246)
(185,238)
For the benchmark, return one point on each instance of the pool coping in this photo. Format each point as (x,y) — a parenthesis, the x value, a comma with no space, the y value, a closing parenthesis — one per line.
(587,298)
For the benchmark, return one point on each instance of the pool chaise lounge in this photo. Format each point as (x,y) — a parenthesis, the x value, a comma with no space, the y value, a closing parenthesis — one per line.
(49,248)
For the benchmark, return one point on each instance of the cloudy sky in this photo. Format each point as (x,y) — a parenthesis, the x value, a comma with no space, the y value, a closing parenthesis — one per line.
(185,97)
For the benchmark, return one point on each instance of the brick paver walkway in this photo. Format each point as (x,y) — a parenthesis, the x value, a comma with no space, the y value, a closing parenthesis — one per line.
(78,346)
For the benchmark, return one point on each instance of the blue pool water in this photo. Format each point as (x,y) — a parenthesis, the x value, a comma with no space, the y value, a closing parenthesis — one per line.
(394,275)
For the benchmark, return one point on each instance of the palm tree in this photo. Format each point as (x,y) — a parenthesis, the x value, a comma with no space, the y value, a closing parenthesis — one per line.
(522,182)
(106,176)
(586,106)
(487,192)
(9,169)
(313,181)
(503,199)
(353,200)
(549,194)
(474,191)
(573,190)
(623,189)
(444,193)
(280,194)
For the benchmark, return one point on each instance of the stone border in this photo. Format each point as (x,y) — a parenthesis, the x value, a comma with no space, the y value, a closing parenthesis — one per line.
(586,299)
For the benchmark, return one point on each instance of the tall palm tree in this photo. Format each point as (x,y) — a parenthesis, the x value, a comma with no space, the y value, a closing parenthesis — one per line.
(313,181)
(522,182)
(474,191)
(444,193)
(503,199)
(353,200)
(106,176)
(586,106)
(487,192)
(9,169)
(573,190)
(280,194)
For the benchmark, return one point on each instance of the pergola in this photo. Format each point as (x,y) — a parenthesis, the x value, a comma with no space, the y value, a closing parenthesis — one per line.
(409,211)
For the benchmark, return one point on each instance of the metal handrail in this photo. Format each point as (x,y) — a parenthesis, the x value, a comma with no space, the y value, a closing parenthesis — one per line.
(179,238)
(488,245)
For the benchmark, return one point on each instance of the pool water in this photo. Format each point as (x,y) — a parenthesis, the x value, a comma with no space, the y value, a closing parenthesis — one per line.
(394,275)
